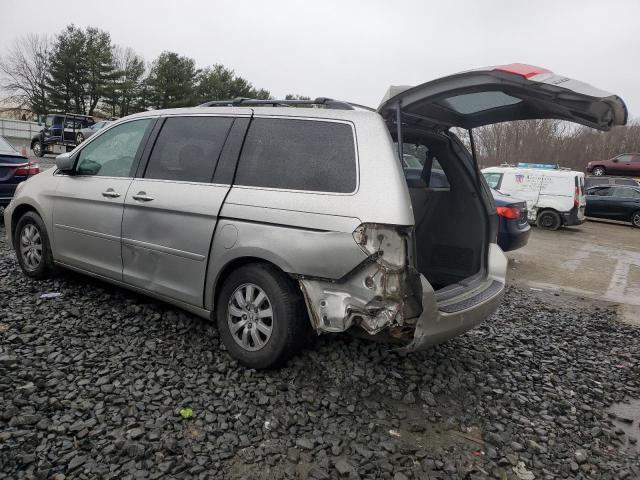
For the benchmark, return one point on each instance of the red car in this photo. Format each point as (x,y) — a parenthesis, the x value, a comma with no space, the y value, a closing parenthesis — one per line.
(627,164)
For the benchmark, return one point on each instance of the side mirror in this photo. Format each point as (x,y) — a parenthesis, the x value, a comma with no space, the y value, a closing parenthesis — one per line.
(65,162)
(615,160)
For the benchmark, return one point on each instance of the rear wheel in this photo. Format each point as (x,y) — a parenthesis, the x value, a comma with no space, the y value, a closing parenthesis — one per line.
(549,220)
(38,149)
(79,138)
(635,219)
(599,171)
(261,316)
(32,246)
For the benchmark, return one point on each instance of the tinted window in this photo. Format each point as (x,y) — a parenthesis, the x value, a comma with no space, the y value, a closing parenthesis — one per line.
(415,157)
(621,192)
(625,181)
(476,102)
(112,154)
(187,149)
(592,181)
(599,191)
(299,155)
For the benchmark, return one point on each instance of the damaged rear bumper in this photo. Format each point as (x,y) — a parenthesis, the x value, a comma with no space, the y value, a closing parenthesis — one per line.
(403,306)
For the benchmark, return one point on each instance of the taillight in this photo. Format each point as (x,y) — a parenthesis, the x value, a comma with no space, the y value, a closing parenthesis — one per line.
(508,212)
(576,197)
(27,170)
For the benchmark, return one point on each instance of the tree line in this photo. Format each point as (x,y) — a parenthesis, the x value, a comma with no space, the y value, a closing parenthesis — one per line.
(552,141)
(80,70)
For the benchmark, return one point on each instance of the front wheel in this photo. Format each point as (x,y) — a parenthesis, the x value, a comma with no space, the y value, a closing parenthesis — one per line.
(599,171)
(32,247)
(261,316)
(635,219)
(38,149)
(79,139)
(549,220)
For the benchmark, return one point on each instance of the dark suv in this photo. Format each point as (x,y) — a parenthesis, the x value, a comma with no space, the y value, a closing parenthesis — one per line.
(60,129)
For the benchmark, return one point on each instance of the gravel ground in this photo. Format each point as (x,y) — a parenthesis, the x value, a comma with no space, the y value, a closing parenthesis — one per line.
(92,385)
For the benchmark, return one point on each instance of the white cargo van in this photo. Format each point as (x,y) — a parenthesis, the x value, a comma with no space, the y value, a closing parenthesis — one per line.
(555,197)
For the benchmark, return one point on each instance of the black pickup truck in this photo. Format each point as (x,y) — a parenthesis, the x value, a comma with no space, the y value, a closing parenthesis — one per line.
(60,129)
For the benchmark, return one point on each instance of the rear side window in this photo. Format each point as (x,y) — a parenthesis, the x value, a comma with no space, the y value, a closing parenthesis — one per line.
(622,192)
(625,181)
(415,157)
(309,155)
(187,149)
(493,180)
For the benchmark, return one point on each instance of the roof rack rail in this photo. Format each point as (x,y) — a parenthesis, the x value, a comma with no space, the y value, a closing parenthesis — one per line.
(253,102)
(73,114)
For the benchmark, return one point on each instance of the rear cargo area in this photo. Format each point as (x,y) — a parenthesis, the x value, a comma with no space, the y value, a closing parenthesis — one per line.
(451,219)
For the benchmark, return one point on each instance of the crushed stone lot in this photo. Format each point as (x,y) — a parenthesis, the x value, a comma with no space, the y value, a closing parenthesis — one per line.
(92,385)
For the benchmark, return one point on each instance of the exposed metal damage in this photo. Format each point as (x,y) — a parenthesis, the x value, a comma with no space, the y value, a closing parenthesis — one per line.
(373,297)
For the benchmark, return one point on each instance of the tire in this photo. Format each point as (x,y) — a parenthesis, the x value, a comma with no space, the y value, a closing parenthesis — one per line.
(38,149)
(33,249)
(278,322)
(549,220)
(599,171)
(79,139)
(635,219)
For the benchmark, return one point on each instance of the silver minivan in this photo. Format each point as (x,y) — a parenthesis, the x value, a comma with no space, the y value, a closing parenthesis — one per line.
(280,221)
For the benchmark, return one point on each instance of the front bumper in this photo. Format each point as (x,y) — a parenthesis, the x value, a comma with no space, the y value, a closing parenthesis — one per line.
(441,322)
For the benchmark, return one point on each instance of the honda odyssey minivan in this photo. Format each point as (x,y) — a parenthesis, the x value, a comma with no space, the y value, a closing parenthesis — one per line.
(276,221)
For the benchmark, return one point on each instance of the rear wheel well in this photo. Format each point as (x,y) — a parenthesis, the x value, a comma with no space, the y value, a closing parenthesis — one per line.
(234,265)
(549,210)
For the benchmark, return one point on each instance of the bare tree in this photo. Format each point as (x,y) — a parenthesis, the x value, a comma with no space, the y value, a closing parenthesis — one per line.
(552,141)
(23,71)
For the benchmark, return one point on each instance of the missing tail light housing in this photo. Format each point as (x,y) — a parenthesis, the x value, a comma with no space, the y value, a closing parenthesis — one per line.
(508,212)
(386,242)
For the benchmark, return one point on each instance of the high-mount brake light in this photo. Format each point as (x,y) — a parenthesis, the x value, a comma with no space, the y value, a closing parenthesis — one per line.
(522,69)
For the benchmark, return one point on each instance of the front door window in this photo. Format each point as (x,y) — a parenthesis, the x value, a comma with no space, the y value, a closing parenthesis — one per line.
(112,154)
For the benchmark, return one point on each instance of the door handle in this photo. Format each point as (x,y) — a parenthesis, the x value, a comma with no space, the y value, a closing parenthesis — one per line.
(142,197)
(110,193)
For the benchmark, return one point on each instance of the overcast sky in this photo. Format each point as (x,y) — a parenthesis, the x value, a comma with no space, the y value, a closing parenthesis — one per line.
(353,50)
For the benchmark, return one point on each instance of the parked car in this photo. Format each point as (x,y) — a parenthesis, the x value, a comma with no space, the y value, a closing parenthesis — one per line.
(278,220)
(598,181)
(555,197)
(627,164)
(85,133)
(614,203)
(513,221)
(59,133)
(14,168)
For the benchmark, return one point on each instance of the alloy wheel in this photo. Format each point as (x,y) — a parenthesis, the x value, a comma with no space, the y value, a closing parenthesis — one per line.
(636,219)
(37,149)
(598,171)
(250,317)
(31,246)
